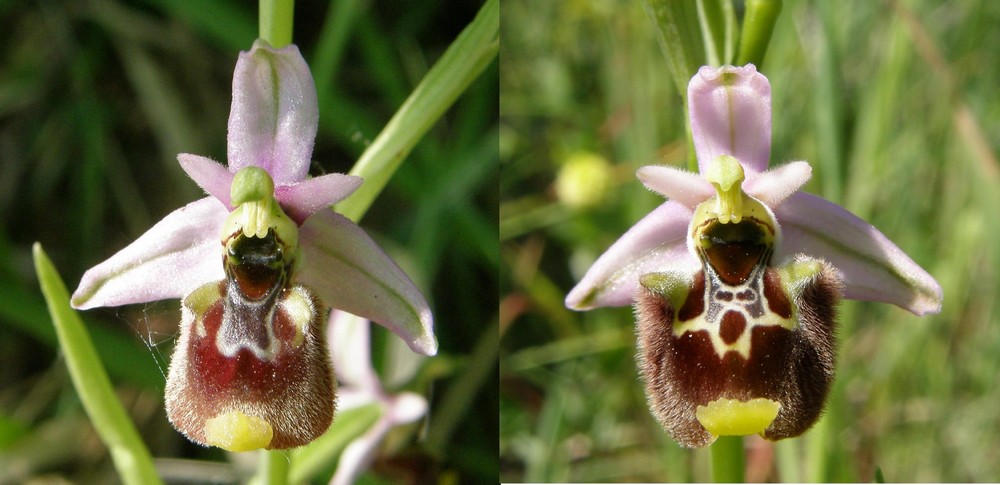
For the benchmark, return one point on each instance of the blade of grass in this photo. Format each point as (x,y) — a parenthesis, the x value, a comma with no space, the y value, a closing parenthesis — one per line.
(332,43)
(321,454)
(474,49)
(829,109)
(677,30)
(380,54)
(131,458)
(718,30)
(456,400)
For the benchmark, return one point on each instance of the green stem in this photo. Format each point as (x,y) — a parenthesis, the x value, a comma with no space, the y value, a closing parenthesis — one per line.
(275,22)
(728,460)
(113,426)
(473,50)
(311,460)
(274,465)
(758,24)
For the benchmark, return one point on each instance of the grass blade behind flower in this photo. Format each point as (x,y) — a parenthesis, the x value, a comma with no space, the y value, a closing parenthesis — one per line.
(474,49)
(131,458)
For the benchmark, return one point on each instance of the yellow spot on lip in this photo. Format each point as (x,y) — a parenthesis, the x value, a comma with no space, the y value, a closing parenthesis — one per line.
(730,417)
(235,431)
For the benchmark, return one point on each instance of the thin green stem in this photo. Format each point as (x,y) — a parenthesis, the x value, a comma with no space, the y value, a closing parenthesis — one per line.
(320,454)
(275,22)
(789,459)
(274,465)
(758,24)
(473,50)
(728,460)
(130,456)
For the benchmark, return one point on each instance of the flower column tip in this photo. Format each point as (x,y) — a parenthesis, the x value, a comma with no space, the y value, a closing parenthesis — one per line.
(726,175)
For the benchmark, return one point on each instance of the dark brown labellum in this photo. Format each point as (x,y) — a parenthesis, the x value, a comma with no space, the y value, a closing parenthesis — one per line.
(255,345)
(741,334)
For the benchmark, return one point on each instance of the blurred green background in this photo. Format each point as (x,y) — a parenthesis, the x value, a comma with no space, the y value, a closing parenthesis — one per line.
(97,97)
(895,105)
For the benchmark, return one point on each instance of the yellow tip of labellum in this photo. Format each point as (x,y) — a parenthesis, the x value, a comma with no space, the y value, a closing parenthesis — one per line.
(235,431)
(729,417)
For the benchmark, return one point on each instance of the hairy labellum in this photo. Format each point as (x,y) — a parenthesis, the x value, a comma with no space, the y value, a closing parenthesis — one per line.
(251,368)
(735,319)
(742,346)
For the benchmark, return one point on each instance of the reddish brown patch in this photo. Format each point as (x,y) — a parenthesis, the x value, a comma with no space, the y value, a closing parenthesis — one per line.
(699,373)
(792,367)
(770,353)
(734,249)
(701,376)
(777,301)
(694,304)
(733,324)
(255,281)
(294,391)
(244,375)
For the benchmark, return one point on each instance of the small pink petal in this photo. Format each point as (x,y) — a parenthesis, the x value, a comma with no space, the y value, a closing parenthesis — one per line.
(404,408)
(211,176)
(349,337)
(358,455)
(874,268)
(686,188)
(657,243)
(731,115)
(774,186)
(272,123)
(350,272)
(178,254)
(305,198)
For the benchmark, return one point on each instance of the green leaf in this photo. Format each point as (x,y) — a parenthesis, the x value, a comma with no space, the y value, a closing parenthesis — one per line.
(131,458)
(474,49)
(316,458)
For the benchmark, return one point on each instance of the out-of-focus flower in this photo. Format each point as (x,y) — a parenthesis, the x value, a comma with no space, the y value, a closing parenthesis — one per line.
(735,279)
(256,263)
(350,340)
(583,180)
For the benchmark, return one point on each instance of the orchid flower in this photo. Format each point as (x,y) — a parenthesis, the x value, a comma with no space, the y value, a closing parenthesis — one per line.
(736,277)
(257,262)
(349,338)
